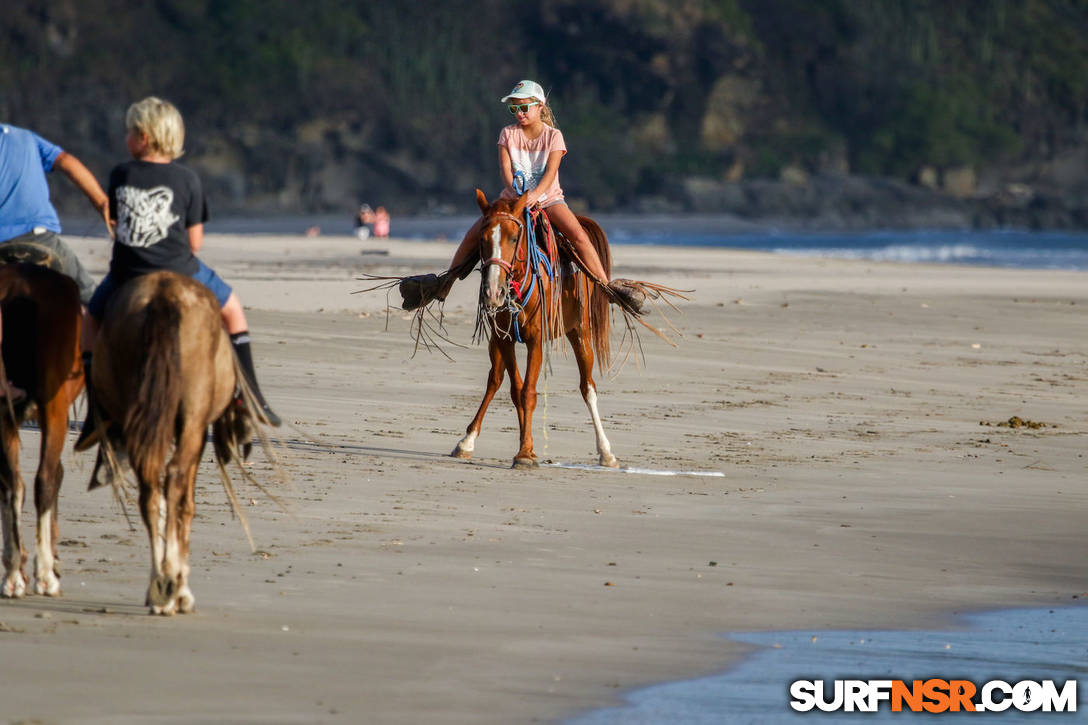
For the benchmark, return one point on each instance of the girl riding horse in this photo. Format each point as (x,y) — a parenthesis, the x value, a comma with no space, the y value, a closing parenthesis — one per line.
(531,148)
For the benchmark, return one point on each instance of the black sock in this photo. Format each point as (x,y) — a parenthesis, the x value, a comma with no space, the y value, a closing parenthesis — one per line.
(240,341)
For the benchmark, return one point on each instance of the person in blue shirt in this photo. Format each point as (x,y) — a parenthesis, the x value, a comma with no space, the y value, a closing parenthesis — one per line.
(26,214)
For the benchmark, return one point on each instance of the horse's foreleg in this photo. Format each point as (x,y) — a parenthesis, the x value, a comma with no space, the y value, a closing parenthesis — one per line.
(510,359)
(583,354)
(467,445)
(534,358)
(46,489)
(11,503)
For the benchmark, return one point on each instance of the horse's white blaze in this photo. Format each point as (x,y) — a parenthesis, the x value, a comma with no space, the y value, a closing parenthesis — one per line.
(47,582)
(493,297)
(604,448)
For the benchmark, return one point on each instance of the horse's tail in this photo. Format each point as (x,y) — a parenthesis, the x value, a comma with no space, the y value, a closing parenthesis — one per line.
(150,424)
(598,309)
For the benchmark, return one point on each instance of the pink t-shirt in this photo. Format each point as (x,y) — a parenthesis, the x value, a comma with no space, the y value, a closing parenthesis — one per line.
(530,156)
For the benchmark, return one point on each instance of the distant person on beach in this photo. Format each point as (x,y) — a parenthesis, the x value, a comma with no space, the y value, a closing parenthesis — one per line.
(381,223)
(160,210)
(26,214)
(532,147)
(364,220)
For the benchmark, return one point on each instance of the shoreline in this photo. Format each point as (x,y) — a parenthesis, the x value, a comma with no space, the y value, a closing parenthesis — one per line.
(841,399)
(429,226)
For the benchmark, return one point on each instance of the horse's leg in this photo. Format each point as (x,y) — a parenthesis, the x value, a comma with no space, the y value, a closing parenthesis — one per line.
(54,426)
(583,353)
(186,600)
(153,512)
(11,504)
(510,360)
(534,358)
(186,509)
(166,589)
(467,445)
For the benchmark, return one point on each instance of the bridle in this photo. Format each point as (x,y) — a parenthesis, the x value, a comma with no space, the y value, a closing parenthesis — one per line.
(518,292)
(508,267)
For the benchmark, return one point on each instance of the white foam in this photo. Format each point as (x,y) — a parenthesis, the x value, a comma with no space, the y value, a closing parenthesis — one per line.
(628,469)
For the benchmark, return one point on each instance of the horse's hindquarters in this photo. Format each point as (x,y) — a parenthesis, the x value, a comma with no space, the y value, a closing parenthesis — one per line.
(168,373)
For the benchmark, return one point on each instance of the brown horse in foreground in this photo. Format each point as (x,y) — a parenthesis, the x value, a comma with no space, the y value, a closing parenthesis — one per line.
(515,306)
(164,371)
(41,355)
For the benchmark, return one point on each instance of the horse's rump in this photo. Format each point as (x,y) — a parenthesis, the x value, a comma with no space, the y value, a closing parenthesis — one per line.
(162,358)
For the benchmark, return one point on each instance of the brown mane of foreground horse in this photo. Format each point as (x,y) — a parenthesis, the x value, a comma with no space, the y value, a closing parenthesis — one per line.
(579,311)
(164,371)
(41,355)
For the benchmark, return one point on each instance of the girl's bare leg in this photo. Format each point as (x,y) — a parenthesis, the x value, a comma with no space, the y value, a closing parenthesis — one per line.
(469,245)
(563,219)
(234,317)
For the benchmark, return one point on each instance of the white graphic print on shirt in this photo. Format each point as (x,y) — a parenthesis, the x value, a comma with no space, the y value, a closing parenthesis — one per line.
(143,215)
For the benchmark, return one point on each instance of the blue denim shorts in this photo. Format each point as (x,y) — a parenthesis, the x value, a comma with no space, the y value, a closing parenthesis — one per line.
(204,274)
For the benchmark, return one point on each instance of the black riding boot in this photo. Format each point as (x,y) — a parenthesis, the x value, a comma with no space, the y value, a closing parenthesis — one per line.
(240,341)
(88,436)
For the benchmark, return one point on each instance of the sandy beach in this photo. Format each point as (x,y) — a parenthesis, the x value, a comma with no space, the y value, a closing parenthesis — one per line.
(851,406)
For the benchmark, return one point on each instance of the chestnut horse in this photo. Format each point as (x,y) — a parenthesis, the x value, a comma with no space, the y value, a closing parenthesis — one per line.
(164,371)
(528,294)
(41,355)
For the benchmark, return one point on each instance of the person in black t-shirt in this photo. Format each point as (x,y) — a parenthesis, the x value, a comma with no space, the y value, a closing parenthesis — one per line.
(160,210)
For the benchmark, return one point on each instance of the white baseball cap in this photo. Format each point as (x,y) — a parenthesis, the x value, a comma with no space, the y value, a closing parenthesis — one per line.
(525,89)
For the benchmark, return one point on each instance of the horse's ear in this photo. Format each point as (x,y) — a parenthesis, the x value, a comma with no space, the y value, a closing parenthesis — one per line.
(519,207)
(482,201)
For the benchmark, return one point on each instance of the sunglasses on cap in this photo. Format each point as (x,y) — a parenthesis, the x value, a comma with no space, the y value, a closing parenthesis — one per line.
(515,108)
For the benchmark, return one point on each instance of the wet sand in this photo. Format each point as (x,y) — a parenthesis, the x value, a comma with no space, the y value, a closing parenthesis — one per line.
(842,401)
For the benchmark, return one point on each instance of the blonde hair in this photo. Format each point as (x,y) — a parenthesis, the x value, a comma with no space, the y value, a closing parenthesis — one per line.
(160,121)
(547,116)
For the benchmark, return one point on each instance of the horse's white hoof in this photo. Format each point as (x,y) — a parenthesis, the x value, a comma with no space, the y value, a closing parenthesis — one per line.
(608,461)
(186,601)
(47,585)
(168,611)
(14,586)
(460,452)
(162,595)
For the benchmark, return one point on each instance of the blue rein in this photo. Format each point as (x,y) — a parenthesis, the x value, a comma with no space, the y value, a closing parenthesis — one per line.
(535,256)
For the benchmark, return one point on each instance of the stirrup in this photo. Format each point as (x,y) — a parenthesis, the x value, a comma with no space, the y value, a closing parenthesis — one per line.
(628,296)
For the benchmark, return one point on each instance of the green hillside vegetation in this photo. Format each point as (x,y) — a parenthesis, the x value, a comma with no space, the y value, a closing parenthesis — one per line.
(313,106)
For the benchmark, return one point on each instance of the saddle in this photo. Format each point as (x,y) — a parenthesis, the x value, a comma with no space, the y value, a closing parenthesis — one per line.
(29,253)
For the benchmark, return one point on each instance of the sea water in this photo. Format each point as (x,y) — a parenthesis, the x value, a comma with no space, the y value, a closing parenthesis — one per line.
(1009,645)
(997,248)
